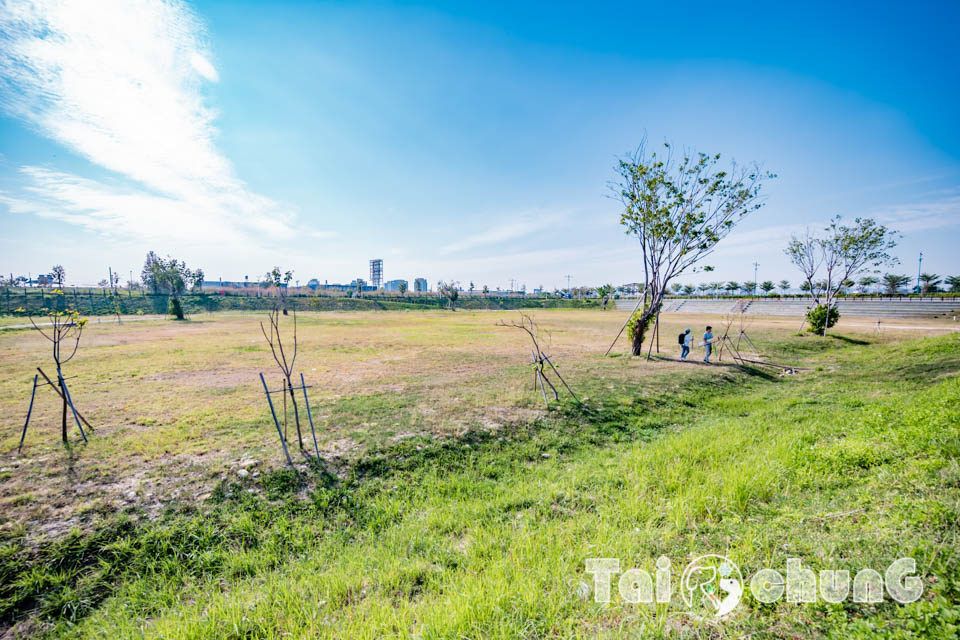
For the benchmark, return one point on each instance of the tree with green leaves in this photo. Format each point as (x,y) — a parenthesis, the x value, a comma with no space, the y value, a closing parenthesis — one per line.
(893,282)
(767,286)
(168,277)
(402,287)
(954,283)
(688,289)
(679,206)
(841,253)
(866,282)
(929,282)
(280,281)
(196,280)
(451,291)
(749,287)
(784,286)
(732,287)
(604,291)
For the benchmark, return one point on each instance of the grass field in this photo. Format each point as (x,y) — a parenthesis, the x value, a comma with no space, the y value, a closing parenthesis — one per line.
(451,504)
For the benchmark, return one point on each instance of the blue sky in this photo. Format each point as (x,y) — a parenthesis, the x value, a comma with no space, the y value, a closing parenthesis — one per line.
(467,141)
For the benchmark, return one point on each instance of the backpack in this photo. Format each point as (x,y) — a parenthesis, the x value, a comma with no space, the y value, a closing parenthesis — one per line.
(681,338)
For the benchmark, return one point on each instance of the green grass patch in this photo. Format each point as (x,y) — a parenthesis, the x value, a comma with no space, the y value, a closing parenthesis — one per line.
(485,535)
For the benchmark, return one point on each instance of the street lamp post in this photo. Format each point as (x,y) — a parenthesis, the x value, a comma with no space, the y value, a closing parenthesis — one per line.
(919,268)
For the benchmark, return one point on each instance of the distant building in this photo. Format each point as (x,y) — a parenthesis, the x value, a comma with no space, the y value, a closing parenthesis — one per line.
(313,283)
(376,273)
(420,285)
(394,285)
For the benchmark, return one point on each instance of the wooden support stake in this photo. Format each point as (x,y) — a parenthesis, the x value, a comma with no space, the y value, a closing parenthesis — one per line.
(619,333)
(76,416)
(59,393)
(543,389)
(33,394)
(552,366)
(283,441)
(306,401)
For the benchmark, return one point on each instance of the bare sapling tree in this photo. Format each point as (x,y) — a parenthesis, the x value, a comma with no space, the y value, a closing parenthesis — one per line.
(679,207)
(541,359)
(286,359)
(830,261)
(59,275)
(64,330)
(280,282)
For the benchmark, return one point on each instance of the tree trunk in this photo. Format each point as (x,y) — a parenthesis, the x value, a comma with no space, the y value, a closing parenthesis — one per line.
(296,413)
(63,417)
(638,334)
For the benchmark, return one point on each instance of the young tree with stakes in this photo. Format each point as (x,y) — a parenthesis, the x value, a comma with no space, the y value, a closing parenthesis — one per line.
(843,252)
(541,359)
(285,363)
(680,208)
(63,331)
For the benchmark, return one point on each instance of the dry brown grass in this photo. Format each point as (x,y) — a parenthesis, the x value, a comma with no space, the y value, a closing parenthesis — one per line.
(178,406)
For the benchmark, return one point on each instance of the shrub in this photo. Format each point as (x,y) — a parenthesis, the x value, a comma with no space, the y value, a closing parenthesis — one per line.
(819,315)
(176,309)
(634,322)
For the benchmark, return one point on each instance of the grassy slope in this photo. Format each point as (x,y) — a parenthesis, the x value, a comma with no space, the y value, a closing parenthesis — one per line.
(850,466)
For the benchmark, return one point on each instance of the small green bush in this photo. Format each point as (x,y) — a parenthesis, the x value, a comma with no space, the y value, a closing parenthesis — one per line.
(819,315)
(176,310)
(634,323)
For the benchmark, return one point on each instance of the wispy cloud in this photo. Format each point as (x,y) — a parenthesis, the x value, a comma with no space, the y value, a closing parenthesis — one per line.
(940,213)
(119,82)
(504,232)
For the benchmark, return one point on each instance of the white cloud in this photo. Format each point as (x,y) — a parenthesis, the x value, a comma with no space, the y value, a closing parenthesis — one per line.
(118,82)
(203,66)
(512,230)
(921,216)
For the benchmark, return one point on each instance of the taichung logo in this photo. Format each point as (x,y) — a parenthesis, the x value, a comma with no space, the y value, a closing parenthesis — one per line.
(712,585)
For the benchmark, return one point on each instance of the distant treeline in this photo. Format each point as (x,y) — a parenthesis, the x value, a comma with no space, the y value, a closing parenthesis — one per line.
(102,302)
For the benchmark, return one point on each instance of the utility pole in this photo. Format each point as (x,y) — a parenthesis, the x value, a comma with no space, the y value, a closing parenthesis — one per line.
(919,267)
(756,265)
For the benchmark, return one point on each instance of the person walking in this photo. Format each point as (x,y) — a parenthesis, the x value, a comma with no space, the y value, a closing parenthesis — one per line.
(708,343)
(686,339)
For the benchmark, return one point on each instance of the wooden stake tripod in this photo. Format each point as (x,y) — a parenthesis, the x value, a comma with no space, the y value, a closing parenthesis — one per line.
(283,440)
(63,393)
